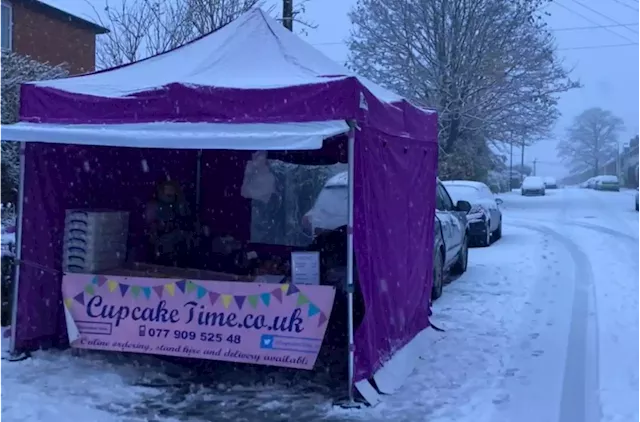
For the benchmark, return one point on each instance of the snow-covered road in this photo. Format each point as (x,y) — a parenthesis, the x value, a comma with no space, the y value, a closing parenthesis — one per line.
(542,327)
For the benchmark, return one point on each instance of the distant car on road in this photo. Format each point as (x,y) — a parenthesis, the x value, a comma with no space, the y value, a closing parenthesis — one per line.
(550,183)
(607,182)
(532,185)
(451,233)
(485,216)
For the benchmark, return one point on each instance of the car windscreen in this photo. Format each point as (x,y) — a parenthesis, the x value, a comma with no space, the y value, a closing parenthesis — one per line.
(463,193)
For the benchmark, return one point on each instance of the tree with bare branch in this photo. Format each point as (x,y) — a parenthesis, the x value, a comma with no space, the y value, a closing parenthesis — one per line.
(487,66)
(143,28)
(591,140)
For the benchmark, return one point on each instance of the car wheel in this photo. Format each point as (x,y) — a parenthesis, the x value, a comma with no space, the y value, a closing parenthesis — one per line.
(438,275)
(486,240)
(463,258)
(498,233)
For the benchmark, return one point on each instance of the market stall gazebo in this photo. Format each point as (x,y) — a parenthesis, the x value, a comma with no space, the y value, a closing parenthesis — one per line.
(251,85)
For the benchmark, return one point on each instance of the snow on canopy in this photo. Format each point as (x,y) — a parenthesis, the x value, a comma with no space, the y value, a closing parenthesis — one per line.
(252,52)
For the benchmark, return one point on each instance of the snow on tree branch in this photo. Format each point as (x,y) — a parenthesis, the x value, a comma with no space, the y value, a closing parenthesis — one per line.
(592,140)
(488,66)
(17,69)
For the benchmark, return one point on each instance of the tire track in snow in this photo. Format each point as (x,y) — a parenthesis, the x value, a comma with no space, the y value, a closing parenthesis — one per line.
(604,230)
(580,398)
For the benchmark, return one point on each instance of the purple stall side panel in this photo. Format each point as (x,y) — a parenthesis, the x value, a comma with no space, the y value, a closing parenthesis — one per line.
(393,234)
(59,177)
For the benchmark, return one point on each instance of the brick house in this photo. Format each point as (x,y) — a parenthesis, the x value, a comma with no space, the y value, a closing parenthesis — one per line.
(49,35)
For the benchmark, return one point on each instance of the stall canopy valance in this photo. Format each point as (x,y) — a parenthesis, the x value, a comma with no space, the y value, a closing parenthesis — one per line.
(251,136)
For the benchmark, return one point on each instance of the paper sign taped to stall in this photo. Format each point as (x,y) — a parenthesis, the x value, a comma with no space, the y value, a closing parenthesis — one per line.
(305,268)
(265,324)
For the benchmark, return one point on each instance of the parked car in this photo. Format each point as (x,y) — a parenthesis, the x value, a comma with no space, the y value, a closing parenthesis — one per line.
(606,182)
(8,240)
(451,240)
(450,226)
(591,183)
(485,216)
(532,185)
(550,183)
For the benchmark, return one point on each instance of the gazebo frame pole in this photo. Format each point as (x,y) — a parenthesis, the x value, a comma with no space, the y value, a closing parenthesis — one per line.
(350,266)
(18,252)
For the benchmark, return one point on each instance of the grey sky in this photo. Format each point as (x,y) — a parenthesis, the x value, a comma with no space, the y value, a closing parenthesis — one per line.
(609,74)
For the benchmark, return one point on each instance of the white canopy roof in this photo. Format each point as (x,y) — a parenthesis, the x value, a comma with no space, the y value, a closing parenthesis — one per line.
(252,52)
(248,136)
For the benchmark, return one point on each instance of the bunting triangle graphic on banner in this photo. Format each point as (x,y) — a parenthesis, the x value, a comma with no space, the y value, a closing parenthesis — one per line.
(123,289)
(253,301)
(302,299)
(266,298)
(322,319)
(113,285)
(239,301)
(101,280)
(284,287)
(89,288)
(213,297)
(226,300)
(79,298)
(135,291)
(68,302)
(147,292)
(182,284)
(313,309)
(277,293)
(202,292)
(292,289)
(171,288)
(191,286)
(95,280)
(158,290)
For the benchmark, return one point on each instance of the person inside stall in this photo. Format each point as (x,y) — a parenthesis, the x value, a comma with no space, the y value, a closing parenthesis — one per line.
(169,225)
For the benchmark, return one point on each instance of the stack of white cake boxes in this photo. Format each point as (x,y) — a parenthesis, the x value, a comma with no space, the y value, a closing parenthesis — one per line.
(94,240)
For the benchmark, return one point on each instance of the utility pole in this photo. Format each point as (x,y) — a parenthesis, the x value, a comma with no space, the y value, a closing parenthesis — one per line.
(522,163)
(287,14)
(510,165)
(535,161)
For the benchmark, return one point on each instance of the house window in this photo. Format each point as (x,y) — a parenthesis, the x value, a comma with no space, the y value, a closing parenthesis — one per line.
(7,22)
(280,221)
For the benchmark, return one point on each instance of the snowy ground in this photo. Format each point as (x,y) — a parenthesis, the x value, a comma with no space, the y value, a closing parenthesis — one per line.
(542,327)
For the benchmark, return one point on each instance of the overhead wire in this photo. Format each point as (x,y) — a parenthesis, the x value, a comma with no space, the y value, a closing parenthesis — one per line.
(588,19)
(626,5)
(591,9)
(595,25)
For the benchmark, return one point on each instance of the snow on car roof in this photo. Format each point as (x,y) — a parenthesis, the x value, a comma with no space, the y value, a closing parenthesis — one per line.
(340,179)
(606,178)
(469,183)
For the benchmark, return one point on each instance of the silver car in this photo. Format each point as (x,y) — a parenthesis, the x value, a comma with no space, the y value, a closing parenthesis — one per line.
(451,234)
